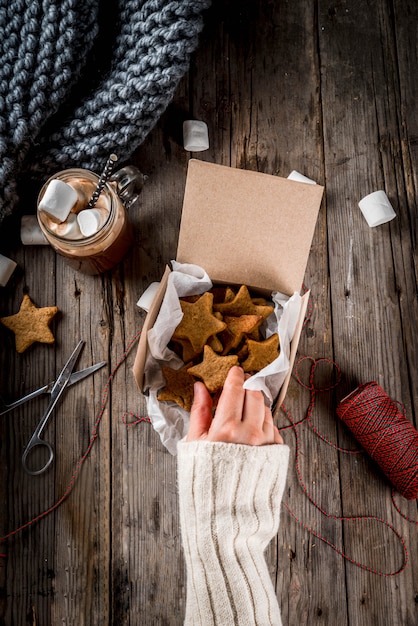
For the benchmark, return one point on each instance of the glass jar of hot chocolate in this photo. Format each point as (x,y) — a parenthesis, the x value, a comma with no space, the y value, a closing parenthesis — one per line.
(92,241)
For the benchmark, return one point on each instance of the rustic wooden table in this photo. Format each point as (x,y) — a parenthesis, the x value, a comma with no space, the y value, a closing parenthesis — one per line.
(327,89)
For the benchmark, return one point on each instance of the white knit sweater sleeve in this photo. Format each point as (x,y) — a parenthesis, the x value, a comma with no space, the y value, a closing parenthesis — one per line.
(230,497)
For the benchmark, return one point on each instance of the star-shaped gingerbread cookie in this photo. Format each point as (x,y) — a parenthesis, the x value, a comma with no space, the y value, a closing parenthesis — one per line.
(198,322)
(243,304)
(261,353)
(214,369)
(237,328)
(178,387)
(30,324)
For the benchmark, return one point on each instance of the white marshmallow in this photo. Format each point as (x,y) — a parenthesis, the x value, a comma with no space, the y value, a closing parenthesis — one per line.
(195,136)
(7,267)
(69,229)
(58,200)
(147,297)
(377,208)
(31,233)
(294,175)
(90,221)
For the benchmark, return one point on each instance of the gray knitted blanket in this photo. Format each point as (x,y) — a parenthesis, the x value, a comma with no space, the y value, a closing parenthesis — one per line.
(82,78)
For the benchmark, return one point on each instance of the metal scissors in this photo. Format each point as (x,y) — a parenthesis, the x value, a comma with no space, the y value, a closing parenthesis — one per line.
(74,378)
(57,389)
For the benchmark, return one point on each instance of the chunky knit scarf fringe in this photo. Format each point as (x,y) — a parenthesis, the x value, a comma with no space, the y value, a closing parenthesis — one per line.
(82,78)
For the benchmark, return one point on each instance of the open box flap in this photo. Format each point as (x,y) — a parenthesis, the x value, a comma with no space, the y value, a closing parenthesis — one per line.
(245,227)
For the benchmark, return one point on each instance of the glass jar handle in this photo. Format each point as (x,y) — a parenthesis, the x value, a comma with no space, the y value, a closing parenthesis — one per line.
(129,183)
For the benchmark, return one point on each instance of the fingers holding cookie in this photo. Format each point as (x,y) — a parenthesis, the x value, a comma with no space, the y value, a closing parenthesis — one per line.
(231,401)
(200,414)
(240,417)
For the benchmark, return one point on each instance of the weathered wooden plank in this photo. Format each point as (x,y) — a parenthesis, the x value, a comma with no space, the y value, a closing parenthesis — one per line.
(146,550)
(26,570)
(270,68)
(359,99)
(82,544)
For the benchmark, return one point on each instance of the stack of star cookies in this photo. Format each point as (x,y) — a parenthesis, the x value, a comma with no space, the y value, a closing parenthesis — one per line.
(219,329)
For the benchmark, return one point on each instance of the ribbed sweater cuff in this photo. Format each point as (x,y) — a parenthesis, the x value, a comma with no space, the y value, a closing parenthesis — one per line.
(230,498)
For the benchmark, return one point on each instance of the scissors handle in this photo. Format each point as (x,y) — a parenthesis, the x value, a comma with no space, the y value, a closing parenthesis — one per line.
(37,442)
(56,392)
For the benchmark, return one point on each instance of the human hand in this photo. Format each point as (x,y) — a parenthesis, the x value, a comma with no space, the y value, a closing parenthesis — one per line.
(240,417)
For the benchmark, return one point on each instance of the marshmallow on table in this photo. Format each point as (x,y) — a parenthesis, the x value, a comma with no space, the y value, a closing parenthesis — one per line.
(7,267)
(31,233)
(377,208)
(195,136)
(91,220)
(147,297)
(58,200)
(294,175)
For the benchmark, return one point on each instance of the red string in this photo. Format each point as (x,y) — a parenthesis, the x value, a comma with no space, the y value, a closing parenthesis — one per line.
(313,389)
(137,419)
(78,466)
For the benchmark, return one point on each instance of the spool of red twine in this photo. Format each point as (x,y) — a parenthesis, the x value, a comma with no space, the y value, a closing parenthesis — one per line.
(385,433)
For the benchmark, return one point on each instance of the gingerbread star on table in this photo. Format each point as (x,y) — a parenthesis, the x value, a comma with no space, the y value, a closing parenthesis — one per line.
(214,369)
(198,322)
(261,353)
(31,324)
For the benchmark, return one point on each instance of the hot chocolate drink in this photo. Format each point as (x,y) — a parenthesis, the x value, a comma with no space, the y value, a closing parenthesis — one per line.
(92,240)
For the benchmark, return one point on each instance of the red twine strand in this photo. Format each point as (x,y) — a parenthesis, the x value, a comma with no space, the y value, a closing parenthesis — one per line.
(313,389)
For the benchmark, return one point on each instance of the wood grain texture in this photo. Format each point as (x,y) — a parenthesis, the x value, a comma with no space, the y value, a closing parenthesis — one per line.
(327,89)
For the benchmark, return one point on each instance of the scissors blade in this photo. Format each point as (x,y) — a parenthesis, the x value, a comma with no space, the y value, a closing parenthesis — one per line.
(65,374)
(74,378)
(77,376)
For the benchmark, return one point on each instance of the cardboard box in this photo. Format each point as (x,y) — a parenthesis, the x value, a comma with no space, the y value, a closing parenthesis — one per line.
(243,227)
